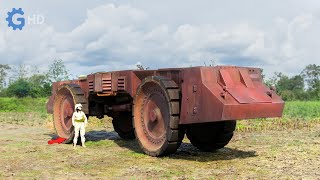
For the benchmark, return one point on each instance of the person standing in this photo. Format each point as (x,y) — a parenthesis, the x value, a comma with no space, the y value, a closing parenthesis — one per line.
(79,121)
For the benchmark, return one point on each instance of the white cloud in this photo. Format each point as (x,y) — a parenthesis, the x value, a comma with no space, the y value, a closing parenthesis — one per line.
(118,37)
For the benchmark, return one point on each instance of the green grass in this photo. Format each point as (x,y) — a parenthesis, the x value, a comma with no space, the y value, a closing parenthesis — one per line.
(25,118)
(104,143)
(23,104)
(306,110)
(26,111)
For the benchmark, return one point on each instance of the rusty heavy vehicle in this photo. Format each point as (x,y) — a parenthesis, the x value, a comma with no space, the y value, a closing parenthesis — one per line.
(158,107)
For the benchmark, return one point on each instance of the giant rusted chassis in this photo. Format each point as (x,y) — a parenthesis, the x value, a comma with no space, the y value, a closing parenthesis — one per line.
(159,106)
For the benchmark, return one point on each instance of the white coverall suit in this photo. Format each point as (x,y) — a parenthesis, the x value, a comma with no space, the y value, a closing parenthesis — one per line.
(79,121)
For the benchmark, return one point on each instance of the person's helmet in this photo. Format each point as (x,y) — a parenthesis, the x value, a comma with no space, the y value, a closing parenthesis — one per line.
(78,107)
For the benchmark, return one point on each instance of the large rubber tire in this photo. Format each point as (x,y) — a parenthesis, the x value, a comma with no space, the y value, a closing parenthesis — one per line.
(156,116)
(210,136)
(67,96)
(122,124)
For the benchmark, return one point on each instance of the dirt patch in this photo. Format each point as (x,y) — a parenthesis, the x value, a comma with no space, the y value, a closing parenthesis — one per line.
(292,154)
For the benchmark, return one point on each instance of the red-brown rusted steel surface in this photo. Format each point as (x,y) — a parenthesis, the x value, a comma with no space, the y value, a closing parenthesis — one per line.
(226,93)
(207,93)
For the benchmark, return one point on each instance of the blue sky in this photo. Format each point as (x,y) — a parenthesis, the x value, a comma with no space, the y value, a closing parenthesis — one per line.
(93,36)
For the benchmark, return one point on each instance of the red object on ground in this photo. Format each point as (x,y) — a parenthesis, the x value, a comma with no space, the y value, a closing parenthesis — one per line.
(59,140)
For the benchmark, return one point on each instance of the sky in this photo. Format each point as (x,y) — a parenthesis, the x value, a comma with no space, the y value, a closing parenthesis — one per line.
(94,36)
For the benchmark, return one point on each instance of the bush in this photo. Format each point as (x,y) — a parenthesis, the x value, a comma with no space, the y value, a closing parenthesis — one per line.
(287,95)
(27,88)
(20,88)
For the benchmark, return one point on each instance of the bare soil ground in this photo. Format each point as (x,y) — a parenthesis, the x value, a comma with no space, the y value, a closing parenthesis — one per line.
(290,154)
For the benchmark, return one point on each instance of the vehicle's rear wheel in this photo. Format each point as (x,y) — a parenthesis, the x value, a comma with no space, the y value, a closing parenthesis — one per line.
(156,116)
(122,124)
(210,136)
(67,96)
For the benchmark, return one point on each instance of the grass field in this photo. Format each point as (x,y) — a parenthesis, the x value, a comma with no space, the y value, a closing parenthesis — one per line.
(279,148)
(272,154)
(305,110)
(23,105)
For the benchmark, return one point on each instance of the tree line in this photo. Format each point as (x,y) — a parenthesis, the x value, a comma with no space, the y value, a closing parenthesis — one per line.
(303,86)
(22,83)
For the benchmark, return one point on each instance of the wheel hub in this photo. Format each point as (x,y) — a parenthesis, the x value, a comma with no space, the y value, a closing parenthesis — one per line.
(154,114)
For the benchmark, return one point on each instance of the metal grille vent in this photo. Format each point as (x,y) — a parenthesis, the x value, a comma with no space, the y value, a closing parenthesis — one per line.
(91,86)
(106,85)
(121,83)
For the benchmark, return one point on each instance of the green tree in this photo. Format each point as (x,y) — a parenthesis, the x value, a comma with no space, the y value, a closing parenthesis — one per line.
(31,82)
(57,71)
(293,84)
(40,85)
(290,88)
(20,72)
(311,74)
(26,82)
(3,74)
(19,88)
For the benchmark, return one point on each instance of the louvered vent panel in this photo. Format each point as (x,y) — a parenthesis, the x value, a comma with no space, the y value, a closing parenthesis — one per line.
(91,86)
(121,83)
(106,85)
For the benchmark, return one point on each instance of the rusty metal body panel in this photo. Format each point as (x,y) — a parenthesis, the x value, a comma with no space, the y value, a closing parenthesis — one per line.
(226,93)
(208,94)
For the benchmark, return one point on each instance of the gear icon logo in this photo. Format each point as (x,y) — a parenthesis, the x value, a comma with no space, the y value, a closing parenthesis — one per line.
(10,21)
